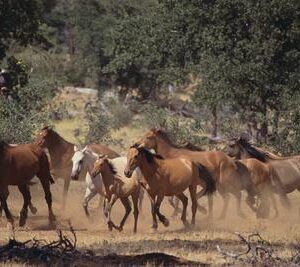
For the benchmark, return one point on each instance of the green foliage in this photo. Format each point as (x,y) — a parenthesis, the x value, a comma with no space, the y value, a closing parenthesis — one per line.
(19,21)
(99,125)
(25,114)
(180,129)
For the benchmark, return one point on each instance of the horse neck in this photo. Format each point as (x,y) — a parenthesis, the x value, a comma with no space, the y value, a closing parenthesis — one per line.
(90,160)
(148,170)
(164,148)
(107,176)
(59,147)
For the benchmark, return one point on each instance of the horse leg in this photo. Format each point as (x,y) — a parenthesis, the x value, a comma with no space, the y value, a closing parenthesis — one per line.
(27,198)
(274,204)
(238,196)
(226,198)
(193,194)
(160,216)
(89,194)
(135,200)
(32,208)
(67,181)
(154,220)
(141,199)
(3,197)
(126,204)
(171,202)
(48,197)
(107,212)
(184,201)
(210,206)
(200,207)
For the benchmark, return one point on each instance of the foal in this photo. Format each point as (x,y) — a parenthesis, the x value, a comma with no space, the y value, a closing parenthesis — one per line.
(118,187)
(168,177)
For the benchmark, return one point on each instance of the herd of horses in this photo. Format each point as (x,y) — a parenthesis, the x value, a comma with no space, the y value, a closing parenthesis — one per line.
(154,166)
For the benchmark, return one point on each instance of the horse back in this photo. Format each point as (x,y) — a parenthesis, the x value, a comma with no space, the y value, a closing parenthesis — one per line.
(105,150)
(20,163)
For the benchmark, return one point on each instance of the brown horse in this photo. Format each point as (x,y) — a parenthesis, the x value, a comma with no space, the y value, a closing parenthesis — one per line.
(32,208)
(18,165)
(61,153)
(286,170)
(168,177)
(230,176)
(118,187)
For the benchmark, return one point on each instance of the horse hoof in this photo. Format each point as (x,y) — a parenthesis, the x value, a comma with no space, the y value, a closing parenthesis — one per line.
(22,222)
(166,223)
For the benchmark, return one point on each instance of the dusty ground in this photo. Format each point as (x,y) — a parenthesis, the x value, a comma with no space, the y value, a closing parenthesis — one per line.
(196,244)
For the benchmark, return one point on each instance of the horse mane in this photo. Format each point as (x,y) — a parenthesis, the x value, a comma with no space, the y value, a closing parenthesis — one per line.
(252,150)
(112,167)
(55,134)
(148,154)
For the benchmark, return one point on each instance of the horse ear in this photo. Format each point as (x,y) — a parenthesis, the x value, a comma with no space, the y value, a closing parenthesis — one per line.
(76,148)
(85,149)
(142,145)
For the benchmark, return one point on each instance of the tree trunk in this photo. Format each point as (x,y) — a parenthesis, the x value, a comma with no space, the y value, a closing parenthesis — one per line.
(214,112)
(264,125)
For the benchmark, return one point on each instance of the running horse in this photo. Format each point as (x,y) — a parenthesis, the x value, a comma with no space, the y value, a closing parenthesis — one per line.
(168,177)
(286,170)
(61,153)
(118,187)
(230,176)
(18,165)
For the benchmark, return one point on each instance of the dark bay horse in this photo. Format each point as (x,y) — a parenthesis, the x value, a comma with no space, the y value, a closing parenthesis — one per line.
(18,165)
(61,153)
(168,177)
(286,177)
(230,176)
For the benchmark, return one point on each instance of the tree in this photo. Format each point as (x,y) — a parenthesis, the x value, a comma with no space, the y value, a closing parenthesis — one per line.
(19,21)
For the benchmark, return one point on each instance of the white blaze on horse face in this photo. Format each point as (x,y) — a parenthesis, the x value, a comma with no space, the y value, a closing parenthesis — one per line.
(78,162)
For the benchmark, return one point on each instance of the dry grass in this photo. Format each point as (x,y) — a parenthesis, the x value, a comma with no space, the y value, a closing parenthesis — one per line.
(196,244)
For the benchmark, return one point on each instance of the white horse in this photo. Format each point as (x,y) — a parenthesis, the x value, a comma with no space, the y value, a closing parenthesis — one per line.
(84,160)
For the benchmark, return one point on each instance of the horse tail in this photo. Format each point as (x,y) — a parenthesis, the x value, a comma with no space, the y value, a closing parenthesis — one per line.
(205,175)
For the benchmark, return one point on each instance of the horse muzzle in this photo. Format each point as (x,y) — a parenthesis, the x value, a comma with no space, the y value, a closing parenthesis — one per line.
(75,176)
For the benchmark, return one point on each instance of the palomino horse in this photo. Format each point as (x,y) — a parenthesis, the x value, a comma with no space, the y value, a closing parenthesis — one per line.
(286,170)
(168,177)
(118,187)
(18,165)
(85,159)
(230,176)
(61,153)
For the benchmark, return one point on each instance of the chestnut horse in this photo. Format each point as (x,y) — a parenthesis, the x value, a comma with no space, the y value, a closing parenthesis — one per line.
(168,177)
(61,153)
(118,187)
(230,176)
(18,165)
(286,170)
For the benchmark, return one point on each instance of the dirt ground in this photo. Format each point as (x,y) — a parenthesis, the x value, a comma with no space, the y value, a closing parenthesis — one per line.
(197,243)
